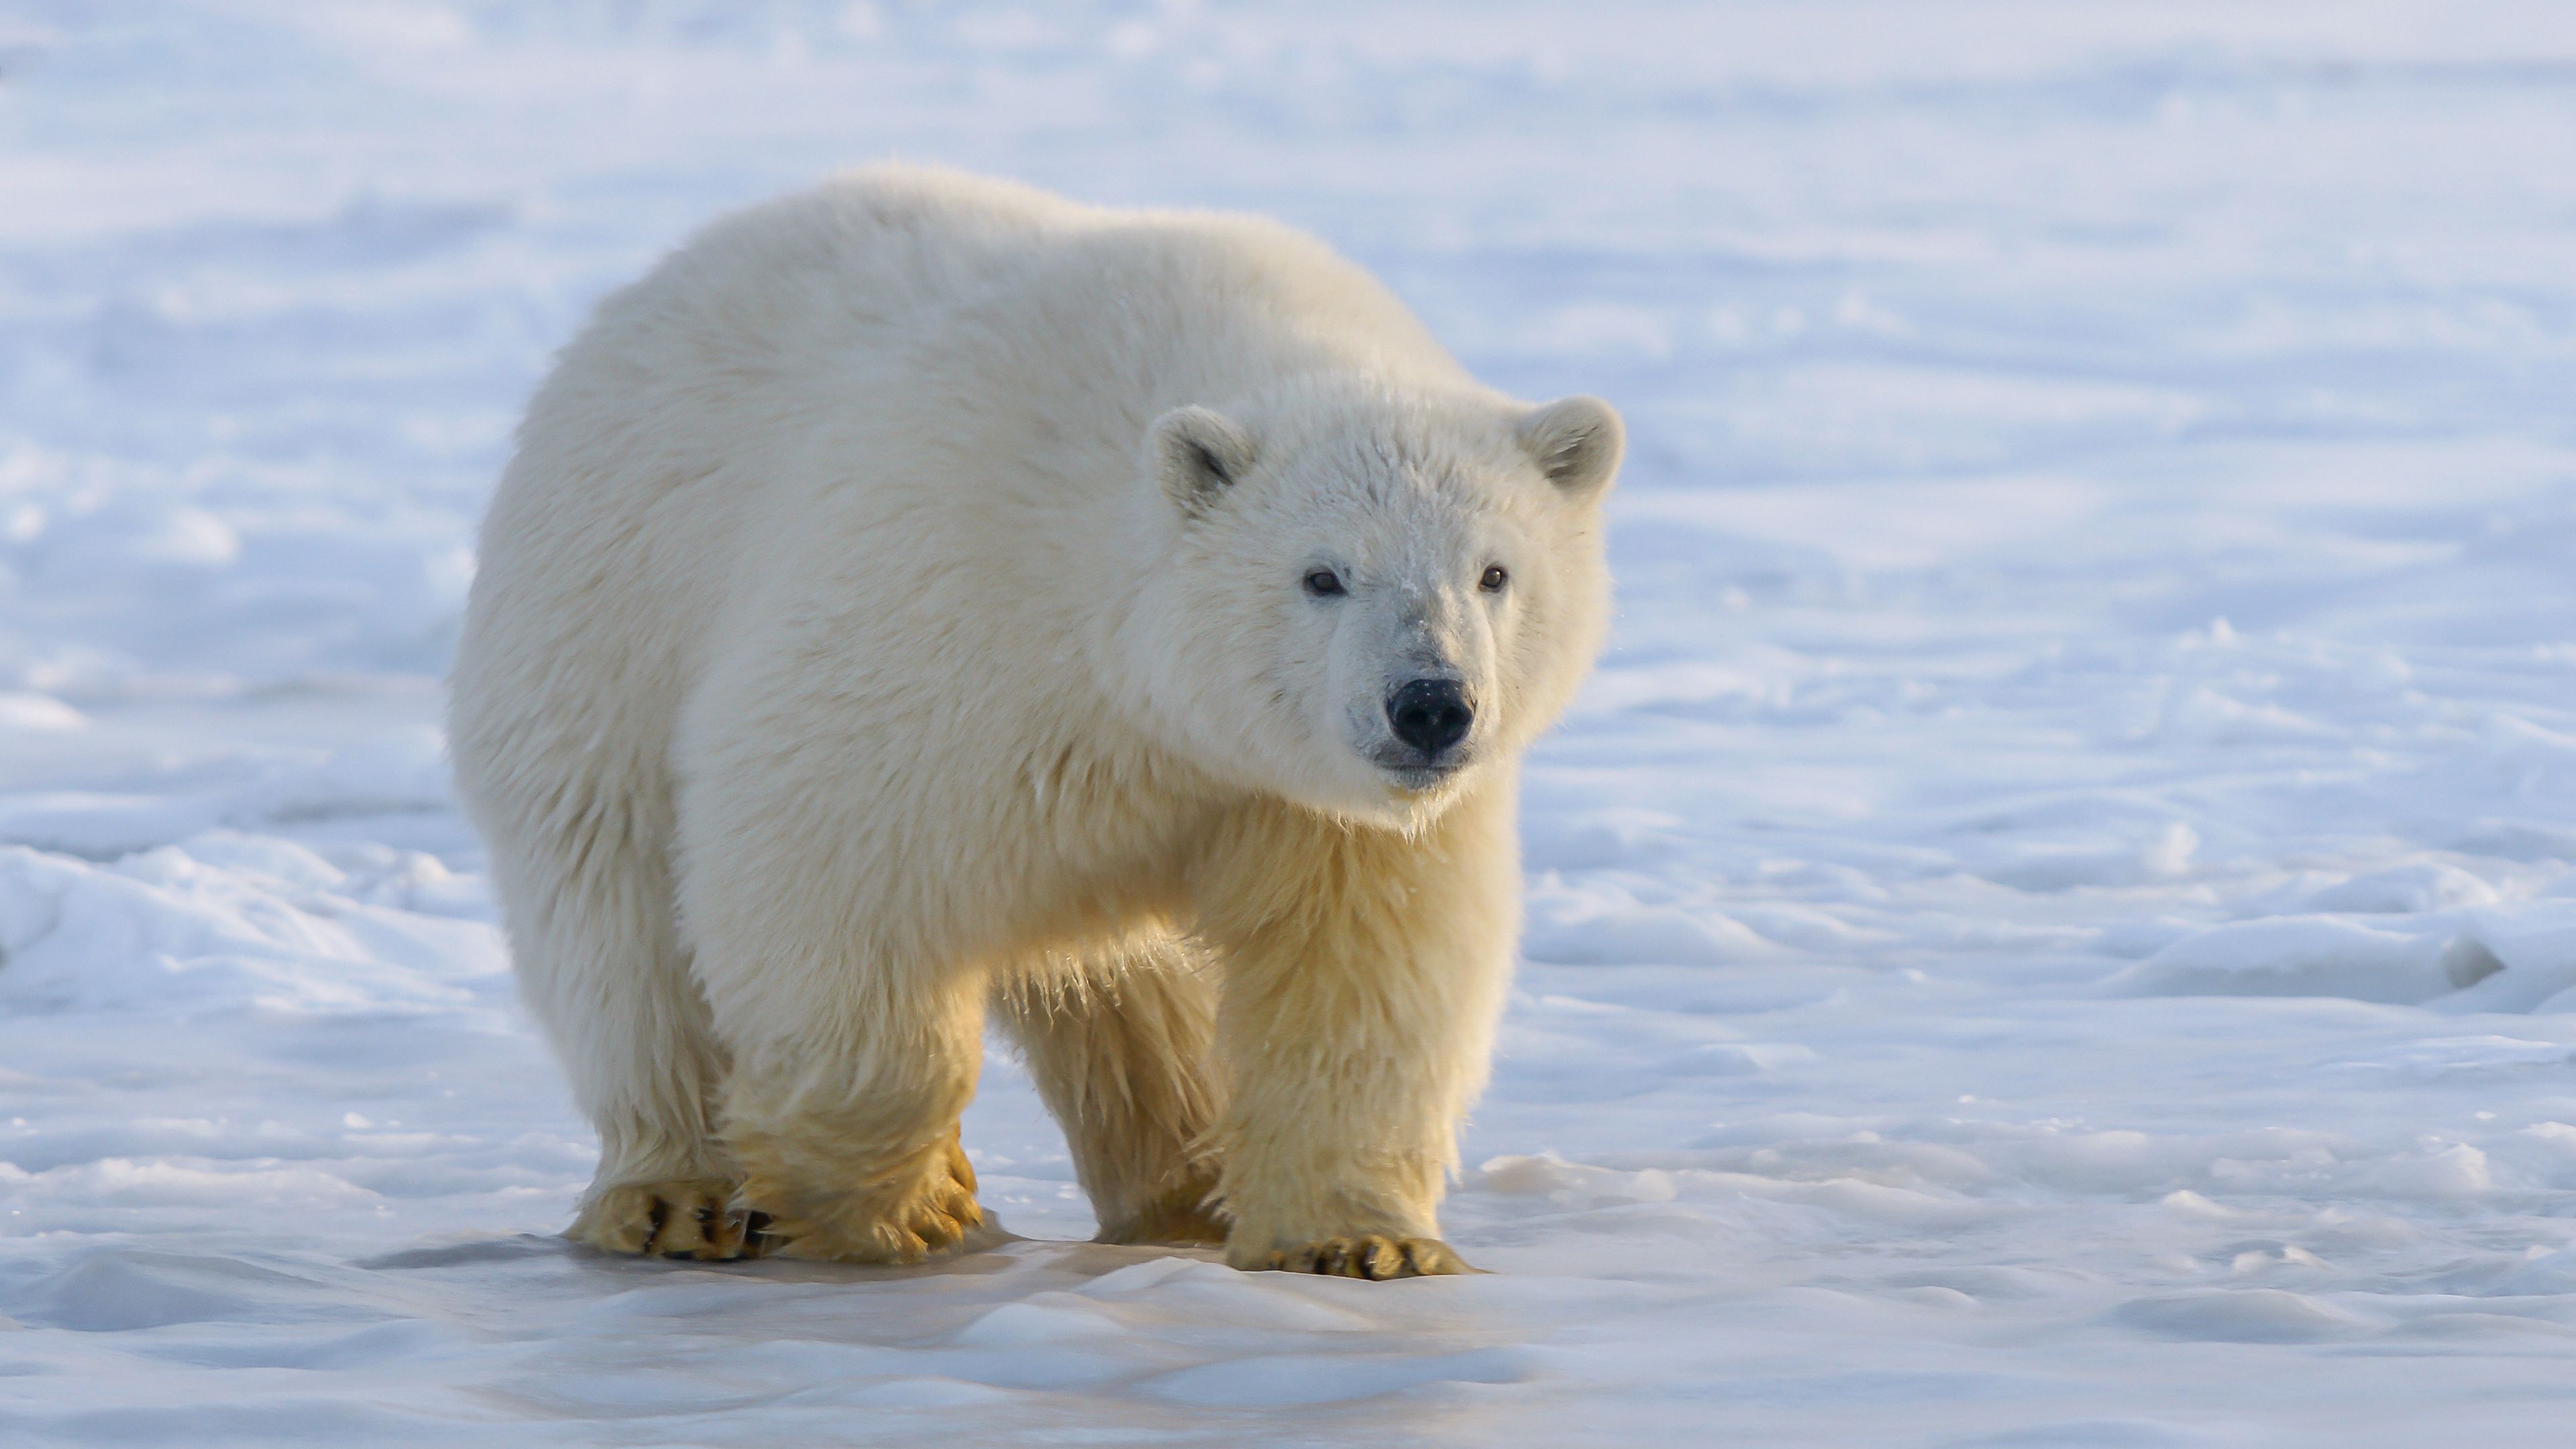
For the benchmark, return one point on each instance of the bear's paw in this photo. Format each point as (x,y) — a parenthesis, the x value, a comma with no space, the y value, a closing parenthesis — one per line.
(1367,1256)
(691,1218)
(934,1215)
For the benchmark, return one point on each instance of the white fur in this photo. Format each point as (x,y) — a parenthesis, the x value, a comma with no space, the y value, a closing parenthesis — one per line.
(897,602)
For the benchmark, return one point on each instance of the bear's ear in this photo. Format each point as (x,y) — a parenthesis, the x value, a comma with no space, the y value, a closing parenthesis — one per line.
(1576,442)
(1198,454)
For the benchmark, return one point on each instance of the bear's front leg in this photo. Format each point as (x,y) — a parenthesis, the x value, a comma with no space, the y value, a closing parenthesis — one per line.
(1364,973)
(847,1138)
(853,1039)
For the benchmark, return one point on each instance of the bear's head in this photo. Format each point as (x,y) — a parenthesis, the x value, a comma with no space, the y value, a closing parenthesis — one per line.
(1372,596)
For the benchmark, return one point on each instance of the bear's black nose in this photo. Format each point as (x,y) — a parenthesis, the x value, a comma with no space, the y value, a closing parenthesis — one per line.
(1430,714)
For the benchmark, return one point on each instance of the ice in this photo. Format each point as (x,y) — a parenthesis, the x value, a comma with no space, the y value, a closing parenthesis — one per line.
(111,1290)
(2054,925)
(222,921)
(2310,956)
(2242,1315)
(2405,890)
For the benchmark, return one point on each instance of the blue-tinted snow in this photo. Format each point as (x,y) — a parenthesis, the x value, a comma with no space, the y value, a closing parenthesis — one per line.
(2053,925)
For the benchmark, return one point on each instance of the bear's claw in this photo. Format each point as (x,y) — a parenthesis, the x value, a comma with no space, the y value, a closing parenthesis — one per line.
(693,1218)
(1369,1256)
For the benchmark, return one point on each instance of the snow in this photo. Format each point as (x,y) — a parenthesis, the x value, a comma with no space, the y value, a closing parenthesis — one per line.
(2054,925)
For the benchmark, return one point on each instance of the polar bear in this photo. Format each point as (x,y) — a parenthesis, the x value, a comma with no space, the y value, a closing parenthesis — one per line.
(924,596)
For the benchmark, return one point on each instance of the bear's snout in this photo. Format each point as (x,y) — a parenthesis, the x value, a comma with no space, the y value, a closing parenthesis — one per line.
(1430,715)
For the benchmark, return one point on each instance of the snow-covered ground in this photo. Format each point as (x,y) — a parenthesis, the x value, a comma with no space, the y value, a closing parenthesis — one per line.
(2053,926)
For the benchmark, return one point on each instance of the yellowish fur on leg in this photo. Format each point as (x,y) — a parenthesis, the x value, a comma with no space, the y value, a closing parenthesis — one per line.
(1182,1217)
(1364,972)
(846,1136)
(882,1212)
(695,1219)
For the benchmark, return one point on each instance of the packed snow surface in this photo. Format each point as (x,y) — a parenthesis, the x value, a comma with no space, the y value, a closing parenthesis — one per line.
(2054,924)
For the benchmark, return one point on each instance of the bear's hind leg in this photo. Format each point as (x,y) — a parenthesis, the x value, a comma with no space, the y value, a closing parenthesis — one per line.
(1121,1050)
(587,899)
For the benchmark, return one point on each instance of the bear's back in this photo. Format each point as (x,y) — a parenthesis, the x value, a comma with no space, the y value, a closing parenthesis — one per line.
(889,302)
(842,293)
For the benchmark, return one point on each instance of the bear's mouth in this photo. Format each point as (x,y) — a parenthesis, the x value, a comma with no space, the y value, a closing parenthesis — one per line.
(1409,771)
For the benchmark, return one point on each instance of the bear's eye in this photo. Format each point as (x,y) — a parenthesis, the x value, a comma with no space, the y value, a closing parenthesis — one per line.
(1494,579)
(1323,583)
